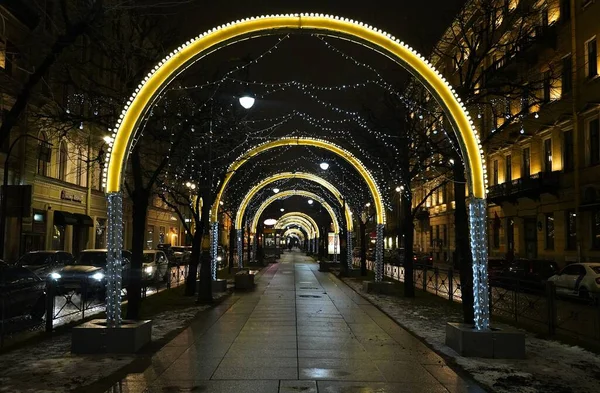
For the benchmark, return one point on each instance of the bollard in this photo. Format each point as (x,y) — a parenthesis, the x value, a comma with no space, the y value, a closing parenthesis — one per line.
(551,302)
(49,304)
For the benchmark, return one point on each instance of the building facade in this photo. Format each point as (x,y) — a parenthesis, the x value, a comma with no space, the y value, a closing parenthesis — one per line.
(541,142)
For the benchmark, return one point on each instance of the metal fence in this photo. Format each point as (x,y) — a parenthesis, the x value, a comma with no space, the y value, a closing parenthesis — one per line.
(533,305)
(64,307)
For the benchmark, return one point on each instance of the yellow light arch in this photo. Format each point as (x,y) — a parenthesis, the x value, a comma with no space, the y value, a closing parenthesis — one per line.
(302,224)
(294,217)
(279,176)
(303,193)
(295,232)
(177,61)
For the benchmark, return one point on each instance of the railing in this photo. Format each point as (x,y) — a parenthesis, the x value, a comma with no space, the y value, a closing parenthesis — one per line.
(63,307)
(532,304)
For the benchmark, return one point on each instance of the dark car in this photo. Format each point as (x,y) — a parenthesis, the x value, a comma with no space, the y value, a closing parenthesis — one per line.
(422,259)
(495,267)
(43,263)
(89,269)
(526,274)
(181,255)
(22,292)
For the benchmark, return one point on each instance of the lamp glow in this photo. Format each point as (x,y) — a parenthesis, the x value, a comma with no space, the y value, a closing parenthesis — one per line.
(276,190)
(310,201)
(270,221)
(324,165)
(247,101)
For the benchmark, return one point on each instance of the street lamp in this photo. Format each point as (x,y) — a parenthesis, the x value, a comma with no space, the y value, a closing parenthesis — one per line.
(247,101)
(310,201)
(282,210)
(324,165)
(108,139)
(399,188)
(368,204)
(276,190)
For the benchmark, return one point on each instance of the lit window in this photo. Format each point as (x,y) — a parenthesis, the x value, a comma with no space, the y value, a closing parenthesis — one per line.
(591,58)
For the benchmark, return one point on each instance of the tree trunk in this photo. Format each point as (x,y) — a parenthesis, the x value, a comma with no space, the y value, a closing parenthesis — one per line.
(190,280)
(232,236)
(205,290)
(363,247)
(343,253)
(463,250)
(134,288)
(408,229)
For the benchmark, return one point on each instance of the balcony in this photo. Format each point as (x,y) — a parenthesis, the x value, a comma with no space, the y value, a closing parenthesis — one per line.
(531,187)
(422,214)
(526,51)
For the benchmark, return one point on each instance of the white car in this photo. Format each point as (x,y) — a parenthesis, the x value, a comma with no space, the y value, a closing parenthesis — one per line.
(579,279)
(155,266)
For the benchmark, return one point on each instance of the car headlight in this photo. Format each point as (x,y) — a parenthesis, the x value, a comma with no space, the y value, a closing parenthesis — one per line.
(98,276)
(55,276)
(148,269)
(219,258)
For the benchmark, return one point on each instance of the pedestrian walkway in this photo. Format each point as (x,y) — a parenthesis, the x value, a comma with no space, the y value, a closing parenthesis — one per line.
(300,330)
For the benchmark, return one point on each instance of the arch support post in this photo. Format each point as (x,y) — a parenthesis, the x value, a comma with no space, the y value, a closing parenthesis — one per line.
(335,247)
(114,257)
(214,248)
(349,249)
(240,247)
(379,253)
(477,222)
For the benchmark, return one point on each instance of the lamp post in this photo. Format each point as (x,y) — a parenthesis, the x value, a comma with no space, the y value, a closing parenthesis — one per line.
(5,185)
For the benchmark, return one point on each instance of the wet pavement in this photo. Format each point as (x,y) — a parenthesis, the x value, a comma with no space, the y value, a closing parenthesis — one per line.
(300,330)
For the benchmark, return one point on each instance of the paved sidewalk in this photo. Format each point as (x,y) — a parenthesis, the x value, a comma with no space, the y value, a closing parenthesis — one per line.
(299,331)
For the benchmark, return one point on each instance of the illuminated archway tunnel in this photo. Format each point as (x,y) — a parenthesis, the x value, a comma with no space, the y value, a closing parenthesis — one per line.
(284,176)
(299,218)
(288,193)
(294,231)
(191,51)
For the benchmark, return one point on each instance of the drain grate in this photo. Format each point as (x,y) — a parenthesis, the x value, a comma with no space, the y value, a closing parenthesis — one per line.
(311,296)
(309,288)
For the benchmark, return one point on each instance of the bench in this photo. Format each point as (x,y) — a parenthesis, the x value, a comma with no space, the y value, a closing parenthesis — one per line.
(244,279)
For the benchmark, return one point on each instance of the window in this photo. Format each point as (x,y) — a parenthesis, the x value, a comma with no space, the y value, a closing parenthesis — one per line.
(596,229)
(80,171)
(526,164)
(594,133)
(565,10)
(445,235)
(568,152)
(571,228)
(495,173)
(567,75)
(573,270)
(63,157)
(508,169)
(496,233)
(549,231)
(548,155)
(44,155)
(591,58)
(546,86)
(100,233)
(525,100)
(431,236)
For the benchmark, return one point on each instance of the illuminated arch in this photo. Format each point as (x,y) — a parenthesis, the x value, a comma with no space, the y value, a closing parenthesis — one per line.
(288,193)
(193,50)
(294,231)
(300,224)
(177,61)
(320,143)
(297,218)
(295,215)
(280,176)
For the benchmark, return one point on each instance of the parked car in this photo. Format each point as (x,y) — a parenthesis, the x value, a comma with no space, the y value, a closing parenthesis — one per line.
(89,269)
(181,255)
(579,279)
(155,266)
(526,274)
(43,263)
(423,259)
(22,292)
(495,267)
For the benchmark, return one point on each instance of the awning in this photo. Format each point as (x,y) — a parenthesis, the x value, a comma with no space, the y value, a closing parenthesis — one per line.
(64,218)
(84,220)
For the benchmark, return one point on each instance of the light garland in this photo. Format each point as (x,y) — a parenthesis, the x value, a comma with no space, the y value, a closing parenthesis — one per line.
(114,258)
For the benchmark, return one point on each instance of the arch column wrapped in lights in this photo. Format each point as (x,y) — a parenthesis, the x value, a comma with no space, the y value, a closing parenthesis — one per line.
(177,61)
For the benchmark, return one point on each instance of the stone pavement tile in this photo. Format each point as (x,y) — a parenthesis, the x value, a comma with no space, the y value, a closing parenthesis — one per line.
(375,387)
(405,371)
(333,354)
(335,363)
(254,345)
(219,387)
(259,362)
(341,374)
(350,345)
(275,353)
(165,357)
(452,381)
(259,372)
(302,332)
(298,387)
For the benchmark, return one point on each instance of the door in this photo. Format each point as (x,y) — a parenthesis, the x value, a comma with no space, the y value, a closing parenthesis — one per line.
(530,238)
(570,278)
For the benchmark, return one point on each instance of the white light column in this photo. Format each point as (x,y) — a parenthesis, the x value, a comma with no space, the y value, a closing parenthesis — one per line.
(214,247)
(477,221)
(240,248)
(114,266)
(379,253)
